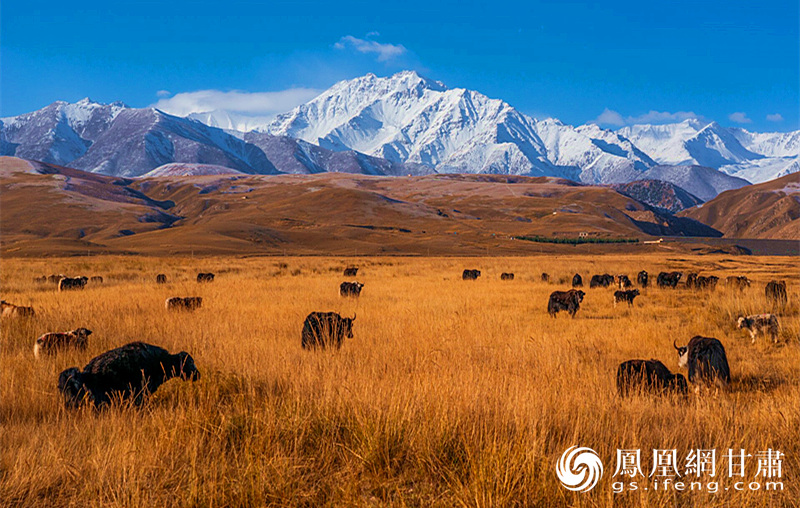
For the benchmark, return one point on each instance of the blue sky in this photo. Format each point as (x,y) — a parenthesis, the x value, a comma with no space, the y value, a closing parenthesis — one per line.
(621,61)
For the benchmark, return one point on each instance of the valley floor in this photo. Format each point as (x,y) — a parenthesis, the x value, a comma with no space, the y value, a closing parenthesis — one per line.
(451,393)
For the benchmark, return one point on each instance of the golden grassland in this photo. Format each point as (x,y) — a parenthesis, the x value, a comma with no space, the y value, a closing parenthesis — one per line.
(452,393)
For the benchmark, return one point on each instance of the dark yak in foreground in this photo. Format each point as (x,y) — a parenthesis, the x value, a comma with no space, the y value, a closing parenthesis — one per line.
(470,274)
(131,371)
(569,301)
(652,376)
(706,360)
(326,329)
(350,288)
(642,278)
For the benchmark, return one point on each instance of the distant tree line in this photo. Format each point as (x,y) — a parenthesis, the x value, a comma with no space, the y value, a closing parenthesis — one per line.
(576,241)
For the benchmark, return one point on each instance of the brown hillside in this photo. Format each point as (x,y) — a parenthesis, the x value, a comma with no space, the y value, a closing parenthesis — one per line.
(52,210)
(769,210)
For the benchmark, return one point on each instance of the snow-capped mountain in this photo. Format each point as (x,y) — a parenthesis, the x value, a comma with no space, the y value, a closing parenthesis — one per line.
(700,181)
(397,125)
(756,157)
(58,133)
(118,140)
(409,118)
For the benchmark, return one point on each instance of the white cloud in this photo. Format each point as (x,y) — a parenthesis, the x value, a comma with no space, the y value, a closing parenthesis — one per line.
(660,117)
(235,101)
(777,117)
(163,93)
(610,117)
(739,117)
(385,51)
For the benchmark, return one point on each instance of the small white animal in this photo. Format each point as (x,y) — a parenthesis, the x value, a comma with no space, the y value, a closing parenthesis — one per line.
(760,323)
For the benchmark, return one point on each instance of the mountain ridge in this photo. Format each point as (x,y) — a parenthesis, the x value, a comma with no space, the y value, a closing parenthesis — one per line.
(398,125)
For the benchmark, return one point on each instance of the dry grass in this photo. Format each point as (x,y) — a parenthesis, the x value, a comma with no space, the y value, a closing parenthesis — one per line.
(452,393)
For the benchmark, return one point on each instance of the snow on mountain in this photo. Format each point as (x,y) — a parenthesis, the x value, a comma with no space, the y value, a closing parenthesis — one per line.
(769,144)
(190,169)
(401,124)
(232,123)
(291,155)
(756,157)
(700,181)
(409,118)
(140,140)
(58,133)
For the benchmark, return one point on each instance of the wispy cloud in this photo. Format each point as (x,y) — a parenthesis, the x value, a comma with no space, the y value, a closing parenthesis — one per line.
(739,117)
(614,118)
(383,50)
(658,117)
(777,117)
(610,117)
(235,101)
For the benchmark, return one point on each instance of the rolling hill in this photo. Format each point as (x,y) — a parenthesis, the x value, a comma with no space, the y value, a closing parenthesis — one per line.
(769,210)
(48,209)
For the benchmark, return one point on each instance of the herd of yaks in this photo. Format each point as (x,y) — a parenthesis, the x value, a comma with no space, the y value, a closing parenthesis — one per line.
(132,371)
(704,357)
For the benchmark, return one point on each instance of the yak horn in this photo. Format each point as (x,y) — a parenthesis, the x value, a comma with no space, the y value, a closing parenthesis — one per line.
(673,345)
(354,316)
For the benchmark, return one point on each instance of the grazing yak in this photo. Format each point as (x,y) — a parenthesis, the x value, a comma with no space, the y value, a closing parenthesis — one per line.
(642,279)
(40,280)
(759,323)
(709,282)
(691,280)
(506,276)
(668,280)
(350,288)
(70,283)
(96,279)
(470,274)
(350,271)
(9,310)
(131,371)
(326,329)
(205,277)
(706,360)
(775,291)
(602,281)
(183,303)
(577,281)
(739,282)
(161,278)
(569,301)
(623,281)
(55,278)
(50,343)
(625,296)
(648,376)
(545,277)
